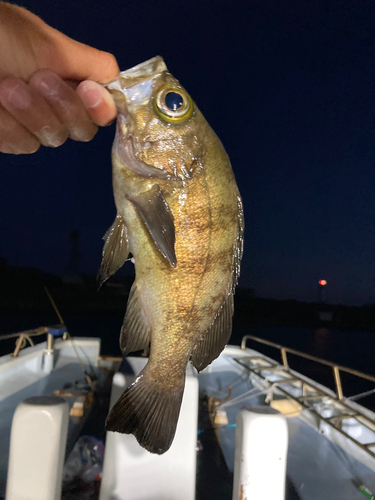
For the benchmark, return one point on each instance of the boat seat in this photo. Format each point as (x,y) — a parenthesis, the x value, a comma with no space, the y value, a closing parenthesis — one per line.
(132,473)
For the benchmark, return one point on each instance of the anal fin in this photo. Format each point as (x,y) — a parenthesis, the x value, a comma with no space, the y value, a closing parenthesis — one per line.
(135,333)
(215,338)
(115,250)
(158,218)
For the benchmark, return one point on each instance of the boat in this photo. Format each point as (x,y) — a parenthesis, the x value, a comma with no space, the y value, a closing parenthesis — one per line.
(250,427)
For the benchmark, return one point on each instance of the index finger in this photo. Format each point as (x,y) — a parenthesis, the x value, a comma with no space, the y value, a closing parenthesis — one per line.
(65,103)
(98,102)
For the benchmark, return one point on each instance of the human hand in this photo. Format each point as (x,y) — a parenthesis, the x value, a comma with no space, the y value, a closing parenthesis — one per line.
(39,71)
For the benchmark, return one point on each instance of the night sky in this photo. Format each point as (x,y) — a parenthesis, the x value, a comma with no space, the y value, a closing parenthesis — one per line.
(288,86)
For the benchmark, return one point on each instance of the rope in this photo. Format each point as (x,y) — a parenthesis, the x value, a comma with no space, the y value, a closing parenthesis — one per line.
(27,333)
(255,391)
(24,337)
(87,376)
(237,380)
(54,306)
(361,395)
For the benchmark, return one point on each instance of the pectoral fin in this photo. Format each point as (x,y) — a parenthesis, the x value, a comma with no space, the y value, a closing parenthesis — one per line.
(215,338)
(158,218)
(115,250)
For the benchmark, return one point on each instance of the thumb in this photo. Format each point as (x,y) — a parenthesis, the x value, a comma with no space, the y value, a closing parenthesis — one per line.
(78,61)
(53,50)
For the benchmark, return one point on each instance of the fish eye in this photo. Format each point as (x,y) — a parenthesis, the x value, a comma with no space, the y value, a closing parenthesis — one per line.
(173,105)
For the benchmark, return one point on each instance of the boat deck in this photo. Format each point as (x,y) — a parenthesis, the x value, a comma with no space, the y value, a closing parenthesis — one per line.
(214,479)
(317,468)
(26,379)
(318,465)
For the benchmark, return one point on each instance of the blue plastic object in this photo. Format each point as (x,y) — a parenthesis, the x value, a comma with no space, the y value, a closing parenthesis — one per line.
(57,331)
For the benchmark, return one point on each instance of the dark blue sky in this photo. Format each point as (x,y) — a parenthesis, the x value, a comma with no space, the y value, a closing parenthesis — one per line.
(289,89)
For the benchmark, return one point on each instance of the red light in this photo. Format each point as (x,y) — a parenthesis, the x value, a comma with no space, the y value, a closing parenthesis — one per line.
(322,282)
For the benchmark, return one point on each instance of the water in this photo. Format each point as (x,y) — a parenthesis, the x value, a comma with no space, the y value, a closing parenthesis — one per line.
(351,349)
(354,349)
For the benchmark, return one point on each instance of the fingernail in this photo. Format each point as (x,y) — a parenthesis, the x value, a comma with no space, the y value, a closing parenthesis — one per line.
(50,138)
(49,83)
(110,123)
(90,95)
(81,134)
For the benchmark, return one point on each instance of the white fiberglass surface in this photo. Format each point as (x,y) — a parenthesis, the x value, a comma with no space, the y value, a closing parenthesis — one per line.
(27,380)
(43,386)
(317,468)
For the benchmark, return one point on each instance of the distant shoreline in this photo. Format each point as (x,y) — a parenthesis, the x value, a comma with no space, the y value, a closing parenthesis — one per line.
(22,291)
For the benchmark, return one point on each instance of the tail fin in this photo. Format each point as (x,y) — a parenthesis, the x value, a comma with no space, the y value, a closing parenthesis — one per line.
(149,412)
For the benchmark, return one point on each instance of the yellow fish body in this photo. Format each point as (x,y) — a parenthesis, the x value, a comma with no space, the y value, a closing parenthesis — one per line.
(179,213)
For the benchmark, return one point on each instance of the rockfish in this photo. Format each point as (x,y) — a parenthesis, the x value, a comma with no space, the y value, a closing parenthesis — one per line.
(179,214)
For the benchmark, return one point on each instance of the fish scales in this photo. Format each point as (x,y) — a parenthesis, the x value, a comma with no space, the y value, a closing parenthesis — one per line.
(180,211)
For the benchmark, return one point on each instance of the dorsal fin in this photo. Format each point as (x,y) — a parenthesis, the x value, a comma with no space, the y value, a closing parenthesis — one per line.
(238,245)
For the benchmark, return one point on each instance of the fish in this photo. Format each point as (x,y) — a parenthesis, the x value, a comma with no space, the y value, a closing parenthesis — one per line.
(180,220)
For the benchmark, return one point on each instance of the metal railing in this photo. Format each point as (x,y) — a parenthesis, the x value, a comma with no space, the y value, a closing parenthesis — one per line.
(310,390)
(24,337)
(336,369)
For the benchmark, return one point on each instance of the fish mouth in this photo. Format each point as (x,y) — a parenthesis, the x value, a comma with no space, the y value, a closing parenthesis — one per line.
(125,148)
(138,74)
(130,89)
(134,86)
